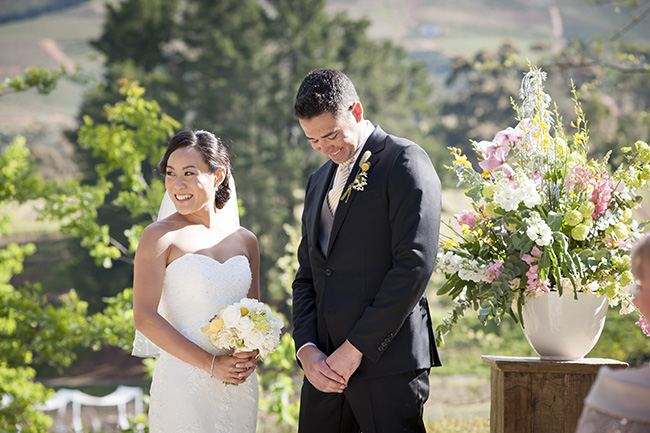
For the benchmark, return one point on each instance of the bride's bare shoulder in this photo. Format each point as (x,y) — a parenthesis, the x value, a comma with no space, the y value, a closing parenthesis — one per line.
(248,239)
(162,233)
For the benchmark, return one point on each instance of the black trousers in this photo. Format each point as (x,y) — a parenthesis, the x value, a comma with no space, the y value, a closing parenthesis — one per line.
(388,404)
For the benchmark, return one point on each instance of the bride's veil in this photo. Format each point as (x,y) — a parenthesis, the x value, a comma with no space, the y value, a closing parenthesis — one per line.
(227,221)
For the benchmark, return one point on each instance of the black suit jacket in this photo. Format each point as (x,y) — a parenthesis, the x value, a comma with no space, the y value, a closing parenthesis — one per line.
(370,287)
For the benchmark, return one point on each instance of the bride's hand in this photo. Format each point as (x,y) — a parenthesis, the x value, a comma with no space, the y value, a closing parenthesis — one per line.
(234,368)
(246,362)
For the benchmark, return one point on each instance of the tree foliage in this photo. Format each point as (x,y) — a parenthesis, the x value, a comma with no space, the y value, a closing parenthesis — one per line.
(234,66)
(33,329)
(127,147)
(39,330)
(45,331)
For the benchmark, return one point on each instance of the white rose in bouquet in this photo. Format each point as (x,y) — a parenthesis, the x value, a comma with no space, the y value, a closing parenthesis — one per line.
(246,325)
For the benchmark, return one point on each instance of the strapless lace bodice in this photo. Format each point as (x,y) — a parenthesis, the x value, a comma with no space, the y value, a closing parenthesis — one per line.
(185,399)
(196,287)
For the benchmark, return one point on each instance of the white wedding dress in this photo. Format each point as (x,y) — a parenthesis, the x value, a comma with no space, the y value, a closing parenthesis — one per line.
(185,399)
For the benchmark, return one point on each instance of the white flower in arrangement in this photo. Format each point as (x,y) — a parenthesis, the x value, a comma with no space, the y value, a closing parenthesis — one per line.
(249,304)
(448,262)
(471,271)
(588,288)
(528,191)
(254,340)
(514,189)
(276,324)
(230,316)
(551,218)
(514,283)
(538,231)
(246,325)
(506,198)
(609,219)
(227,338)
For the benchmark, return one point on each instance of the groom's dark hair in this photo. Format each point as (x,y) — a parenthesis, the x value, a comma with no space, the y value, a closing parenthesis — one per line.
(324,91)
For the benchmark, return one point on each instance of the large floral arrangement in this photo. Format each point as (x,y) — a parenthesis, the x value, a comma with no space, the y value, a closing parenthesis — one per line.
(543,215)
(246,325)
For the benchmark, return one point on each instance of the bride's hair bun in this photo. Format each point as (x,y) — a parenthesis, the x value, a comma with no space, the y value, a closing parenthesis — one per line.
(214,154)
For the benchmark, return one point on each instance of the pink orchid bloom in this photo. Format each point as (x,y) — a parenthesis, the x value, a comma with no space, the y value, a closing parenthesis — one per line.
(528,258)
(493,271)
(510,136)
(545,286)
(468,218)
(536,252)
(494,154)
(644,325)
(509,172)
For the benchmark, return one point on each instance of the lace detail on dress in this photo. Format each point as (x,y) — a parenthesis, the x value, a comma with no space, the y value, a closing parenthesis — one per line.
(185,398)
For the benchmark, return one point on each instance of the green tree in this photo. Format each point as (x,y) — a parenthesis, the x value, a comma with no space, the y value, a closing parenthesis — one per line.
(479,105)
(134,131)
(611,71)
(234,66)
(33,330)
(136,20)
(39,331)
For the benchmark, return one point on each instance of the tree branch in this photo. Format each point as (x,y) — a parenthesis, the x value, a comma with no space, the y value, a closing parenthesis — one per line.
(626,28)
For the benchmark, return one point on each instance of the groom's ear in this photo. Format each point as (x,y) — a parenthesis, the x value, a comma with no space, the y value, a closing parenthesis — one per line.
(357,111)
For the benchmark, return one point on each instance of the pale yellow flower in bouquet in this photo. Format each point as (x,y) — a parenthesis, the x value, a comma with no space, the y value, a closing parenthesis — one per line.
(245,326)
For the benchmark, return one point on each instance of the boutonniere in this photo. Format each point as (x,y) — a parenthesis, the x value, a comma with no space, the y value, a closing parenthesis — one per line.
(361,179)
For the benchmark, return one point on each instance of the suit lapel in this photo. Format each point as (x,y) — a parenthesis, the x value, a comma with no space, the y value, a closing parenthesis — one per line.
(321,186)
(375,144)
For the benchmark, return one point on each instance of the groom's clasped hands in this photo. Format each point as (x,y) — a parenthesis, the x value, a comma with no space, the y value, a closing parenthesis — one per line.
(330,373)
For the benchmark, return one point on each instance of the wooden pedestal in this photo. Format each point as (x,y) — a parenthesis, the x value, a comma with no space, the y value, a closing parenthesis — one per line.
(529,395)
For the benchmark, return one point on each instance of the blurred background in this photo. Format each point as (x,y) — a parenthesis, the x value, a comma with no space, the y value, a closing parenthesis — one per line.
(94,89)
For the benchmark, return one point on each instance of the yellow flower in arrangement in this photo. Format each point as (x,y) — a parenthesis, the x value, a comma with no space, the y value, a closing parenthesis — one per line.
(459,158)
(246,325)
(449,243)
(542,212)
(215,325)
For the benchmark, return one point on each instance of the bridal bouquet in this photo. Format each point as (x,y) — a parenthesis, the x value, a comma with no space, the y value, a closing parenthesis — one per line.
(543,215)
(245,326)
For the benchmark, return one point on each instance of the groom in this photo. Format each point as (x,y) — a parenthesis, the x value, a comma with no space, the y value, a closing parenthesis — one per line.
(369,242)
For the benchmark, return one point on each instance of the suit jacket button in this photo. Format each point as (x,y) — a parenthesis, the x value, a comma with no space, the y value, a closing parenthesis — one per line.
(328,272)
(380,348)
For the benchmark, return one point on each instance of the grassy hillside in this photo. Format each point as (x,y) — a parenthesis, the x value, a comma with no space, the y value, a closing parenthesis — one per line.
(433,30)
(11,10)
(439,29)
(48,41)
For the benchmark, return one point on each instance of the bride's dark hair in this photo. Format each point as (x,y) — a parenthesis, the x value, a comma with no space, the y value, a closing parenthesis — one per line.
(214,154)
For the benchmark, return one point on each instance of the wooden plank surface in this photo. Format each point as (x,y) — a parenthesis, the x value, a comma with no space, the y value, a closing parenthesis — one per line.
(530,395)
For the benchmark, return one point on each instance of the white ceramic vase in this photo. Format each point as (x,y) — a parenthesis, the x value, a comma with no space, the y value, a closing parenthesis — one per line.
(562,328)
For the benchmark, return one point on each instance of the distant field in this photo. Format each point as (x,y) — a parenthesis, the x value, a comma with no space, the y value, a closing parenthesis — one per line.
(466,26)
(434,30)
(22,46)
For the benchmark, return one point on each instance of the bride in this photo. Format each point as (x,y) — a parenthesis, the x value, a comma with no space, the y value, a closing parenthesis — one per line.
(187,267)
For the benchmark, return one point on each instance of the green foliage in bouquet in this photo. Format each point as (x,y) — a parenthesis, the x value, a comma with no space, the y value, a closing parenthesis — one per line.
(543,216)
